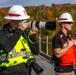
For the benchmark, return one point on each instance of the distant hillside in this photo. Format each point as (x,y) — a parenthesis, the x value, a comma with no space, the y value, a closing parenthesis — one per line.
(45,13)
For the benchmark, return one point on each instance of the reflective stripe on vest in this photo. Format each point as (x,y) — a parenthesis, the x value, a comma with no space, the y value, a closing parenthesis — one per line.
(21,53)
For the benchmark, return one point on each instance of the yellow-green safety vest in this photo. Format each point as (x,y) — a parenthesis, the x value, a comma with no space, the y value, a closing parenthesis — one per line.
(21,53)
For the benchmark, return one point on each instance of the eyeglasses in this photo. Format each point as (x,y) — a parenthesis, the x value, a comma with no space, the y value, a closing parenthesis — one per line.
(68,22)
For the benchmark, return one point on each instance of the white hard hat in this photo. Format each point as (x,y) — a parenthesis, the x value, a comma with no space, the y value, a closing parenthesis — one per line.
(65,17)
(17,12)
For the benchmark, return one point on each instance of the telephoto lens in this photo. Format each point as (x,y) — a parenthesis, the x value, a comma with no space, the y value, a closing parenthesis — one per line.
(49,25)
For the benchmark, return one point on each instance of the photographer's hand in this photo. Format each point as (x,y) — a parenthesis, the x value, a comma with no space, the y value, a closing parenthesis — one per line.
(34,30)
(23,25)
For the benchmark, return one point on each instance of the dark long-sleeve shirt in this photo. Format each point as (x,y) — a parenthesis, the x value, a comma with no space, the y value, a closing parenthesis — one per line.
(9,38)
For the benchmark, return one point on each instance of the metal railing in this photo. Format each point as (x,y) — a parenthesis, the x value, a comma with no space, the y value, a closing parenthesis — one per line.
(47,43)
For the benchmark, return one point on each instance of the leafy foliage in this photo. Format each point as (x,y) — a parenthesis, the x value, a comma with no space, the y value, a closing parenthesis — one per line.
(45,13)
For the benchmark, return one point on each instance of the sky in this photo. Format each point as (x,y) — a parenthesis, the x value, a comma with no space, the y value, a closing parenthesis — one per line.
(6,3)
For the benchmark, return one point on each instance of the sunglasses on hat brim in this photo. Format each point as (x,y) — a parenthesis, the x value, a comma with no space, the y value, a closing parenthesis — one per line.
(26,20)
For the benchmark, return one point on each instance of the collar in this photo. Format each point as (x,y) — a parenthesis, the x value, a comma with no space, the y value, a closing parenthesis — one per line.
(8,28)
(68,35)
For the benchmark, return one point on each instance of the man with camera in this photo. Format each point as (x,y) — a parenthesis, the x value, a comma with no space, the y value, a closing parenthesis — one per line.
(16,54)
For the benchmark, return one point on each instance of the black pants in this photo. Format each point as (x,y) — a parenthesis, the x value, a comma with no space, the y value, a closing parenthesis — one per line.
(20,69)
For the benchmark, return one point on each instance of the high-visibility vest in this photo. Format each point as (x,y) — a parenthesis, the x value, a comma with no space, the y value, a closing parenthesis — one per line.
(21,53)
(69,58)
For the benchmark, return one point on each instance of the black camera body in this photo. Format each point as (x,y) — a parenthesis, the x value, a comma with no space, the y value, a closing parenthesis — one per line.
(36,67)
